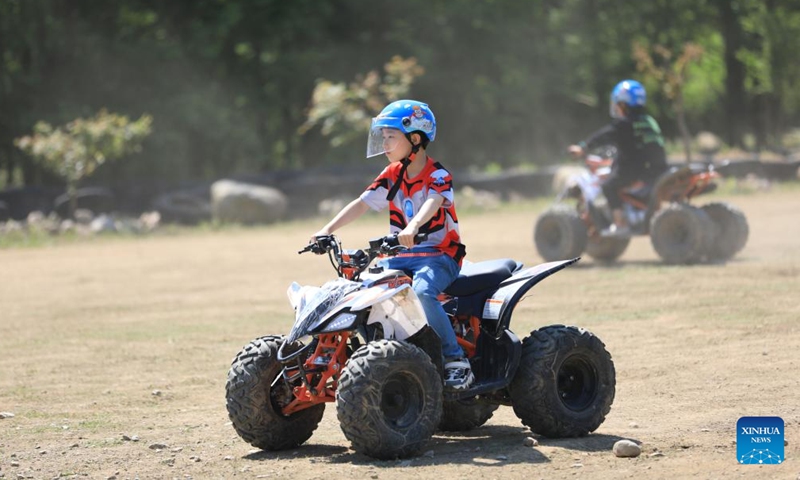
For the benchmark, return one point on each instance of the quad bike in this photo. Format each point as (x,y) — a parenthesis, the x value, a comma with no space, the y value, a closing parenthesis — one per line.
(679,232)
(362,341)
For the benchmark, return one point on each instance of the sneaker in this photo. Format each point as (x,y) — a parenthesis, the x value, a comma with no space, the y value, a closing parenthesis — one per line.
(615,232)
(458,374)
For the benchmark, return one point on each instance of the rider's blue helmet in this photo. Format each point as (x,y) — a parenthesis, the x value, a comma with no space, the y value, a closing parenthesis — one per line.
(407,116)
(628,92)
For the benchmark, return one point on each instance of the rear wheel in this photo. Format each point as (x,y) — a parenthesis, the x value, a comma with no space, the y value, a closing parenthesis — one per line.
(389,399)
(254,403)
(565,383)
(731,232)
(606,249)
(681,234)
(560,233)
(466,414)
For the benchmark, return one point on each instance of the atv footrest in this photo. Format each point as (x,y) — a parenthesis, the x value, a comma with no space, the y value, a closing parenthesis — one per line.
(475,389)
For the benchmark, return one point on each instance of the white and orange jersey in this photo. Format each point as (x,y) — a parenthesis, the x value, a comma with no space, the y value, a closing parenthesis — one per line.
(442,229)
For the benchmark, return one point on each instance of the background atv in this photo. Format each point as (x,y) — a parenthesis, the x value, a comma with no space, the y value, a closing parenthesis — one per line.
(680,233)
(362,341)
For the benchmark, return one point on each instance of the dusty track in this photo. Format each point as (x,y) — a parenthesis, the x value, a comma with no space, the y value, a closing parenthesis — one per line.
(114,339)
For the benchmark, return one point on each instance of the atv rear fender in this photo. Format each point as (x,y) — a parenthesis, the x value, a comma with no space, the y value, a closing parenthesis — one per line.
(500,304)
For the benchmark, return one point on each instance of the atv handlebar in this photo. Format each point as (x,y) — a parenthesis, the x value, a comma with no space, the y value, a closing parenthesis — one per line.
(358,260)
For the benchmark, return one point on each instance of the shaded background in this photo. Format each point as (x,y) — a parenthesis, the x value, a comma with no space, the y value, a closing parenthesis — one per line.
(229,82)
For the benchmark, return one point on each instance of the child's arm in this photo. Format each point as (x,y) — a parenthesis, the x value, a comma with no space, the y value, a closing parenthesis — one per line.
(350,212)
(428,210)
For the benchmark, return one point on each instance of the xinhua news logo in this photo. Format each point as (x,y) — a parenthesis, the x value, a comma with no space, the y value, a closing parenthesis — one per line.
(759,440)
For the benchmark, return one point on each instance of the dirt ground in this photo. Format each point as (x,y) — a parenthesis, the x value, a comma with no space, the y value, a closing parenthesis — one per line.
(114,354)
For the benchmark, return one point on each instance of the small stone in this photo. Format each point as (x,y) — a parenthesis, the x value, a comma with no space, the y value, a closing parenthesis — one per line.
(157,446)
(43,452)
(530,442)
(656,454)
(126,438)
(786,443)
(577,465)
(6,415)
(501,457)
(705,430)
(194,458)
(176,449)
(627,448)
(227,457)
(405,463)
(168,462)
(633,425)
(15,464)
(156,393)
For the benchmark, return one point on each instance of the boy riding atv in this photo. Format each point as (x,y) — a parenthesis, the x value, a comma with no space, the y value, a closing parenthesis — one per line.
(639,144)
(419,194)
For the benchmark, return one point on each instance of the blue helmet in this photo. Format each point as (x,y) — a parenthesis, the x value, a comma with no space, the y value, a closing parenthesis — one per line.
(408,116)
(628,92)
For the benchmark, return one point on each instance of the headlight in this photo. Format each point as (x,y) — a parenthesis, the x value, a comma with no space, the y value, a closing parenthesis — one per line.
(343,321)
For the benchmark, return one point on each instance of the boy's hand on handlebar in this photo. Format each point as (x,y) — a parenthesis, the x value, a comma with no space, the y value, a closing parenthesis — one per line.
(318,244)
(406,236)
(321,233)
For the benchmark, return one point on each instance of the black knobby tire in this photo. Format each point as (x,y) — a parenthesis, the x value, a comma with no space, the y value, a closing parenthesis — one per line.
(732,230)
(466,414)
(389,400)
(560,233)
(565,382)
(606,249)
(681,234)
(254,406)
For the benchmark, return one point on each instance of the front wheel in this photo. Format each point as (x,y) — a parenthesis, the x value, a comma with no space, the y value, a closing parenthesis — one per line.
(254,402)
(389,399)
(565,382)
(560,233)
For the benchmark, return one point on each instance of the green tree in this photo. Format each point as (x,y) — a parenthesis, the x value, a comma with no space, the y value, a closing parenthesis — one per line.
(75,150)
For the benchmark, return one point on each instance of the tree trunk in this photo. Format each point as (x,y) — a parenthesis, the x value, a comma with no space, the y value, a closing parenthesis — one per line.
(686,137)
(735,96)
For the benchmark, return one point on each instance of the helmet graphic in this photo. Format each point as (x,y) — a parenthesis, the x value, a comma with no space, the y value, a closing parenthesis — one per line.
(628,92)
(407,116)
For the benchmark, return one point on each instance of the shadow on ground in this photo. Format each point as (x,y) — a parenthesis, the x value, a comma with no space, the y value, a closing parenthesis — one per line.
(488,446)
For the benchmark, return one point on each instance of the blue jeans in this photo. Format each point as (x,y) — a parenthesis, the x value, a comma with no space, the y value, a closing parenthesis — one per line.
(431,275)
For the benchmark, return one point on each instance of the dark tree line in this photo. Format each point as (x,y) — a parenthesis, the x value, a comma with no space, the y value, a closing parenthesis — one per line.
(229,82)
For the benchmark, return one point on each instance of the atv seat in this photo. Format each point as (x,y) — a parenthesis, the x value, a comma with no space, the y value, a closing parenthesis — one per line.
(478,276)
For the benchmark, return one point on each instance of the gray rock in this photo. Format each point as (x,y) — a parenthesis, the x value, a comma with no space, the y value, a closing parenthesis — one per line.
(530,442)
(627,448)
(237,202)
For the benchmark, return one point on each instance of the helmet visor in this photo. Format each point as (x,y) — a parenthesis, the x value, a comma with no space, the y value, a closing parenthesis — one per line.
(383,140)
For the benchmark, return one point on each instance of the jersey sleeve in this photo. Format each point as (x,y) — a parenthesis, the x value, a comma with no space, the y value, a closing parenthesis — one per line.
(605,135)
(375,194)
(441,183)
